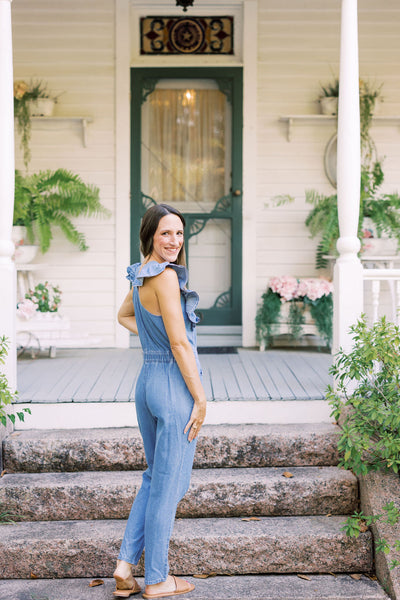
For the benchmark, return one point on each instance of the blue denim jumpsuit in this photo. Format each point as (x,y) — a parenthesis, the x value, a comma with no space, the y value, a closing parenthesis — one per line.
(163,407)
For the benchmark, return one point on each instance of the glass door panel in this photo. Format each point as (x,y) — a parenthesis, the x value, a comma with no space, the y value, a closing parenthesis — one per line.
(186,145)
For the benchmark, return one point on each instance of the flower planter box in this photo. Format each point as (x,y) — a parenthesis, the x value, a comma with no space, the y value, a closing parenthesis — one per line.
(295,307)
(284,328)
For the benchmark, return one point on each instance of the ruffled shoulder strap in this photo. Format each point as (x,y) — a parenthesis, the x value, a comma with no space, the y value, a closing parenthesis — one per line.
(137,273)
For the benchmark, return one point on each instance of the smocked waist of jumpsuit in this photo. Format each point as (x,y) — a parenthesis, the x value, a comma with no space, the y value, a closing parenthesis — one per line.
(160,355)
(166,356)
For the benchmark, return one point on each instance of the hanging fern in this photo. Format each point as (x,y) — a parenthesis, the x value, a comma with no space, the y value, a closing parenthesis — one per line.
(382,209)
(267,316)
(321,311)
(52,198)
(296,318)
(323,220)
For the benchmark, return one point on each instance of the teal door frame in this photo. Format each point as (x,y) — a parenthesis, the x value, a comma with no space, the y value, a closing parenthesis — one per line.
(227,309)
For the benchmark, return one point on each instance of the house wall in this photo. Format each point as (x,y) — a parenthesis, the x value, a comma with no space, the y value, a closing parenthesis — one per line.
(71,46)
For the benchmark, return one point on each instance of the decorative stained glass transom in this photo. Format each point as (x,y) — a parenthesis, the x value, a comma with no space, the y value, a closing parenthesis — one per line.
(186,35)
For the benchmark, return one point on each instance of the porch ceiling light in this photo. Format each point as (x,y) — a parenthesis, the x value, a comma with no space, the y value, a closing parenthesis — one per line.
(184,4)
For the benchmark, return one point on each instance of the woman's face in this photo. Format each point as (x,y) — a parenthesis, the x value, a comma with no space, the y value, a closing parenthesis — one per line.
(168,239)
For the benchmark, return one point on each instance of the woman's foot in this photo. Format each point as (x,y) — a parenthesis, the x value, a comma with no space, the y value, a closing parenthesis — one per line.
(126,583)
(172,586)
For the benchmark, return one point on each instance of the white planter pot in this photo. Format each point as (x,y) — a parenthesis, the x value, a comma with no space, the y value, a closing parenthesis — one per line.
(329,105)
(25,254)
(42,107)
(379,247)
(18,234)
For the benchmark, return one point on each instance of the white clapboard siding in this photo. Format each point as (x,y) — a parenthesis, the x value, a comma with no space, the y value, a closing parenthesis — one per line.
(298,49)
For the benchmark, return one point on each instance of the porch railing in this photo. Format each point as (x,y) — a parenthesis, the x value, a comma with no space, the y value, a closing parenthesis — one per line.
(377,277)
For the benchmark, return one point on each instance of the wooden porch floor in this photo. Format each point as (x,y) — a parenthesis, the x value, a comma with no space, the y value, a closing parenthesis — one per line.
(109,375)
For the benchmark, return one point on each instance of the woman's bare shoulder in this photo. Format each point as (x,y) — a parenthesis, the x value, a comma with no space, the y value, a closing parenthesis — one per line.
(168,278)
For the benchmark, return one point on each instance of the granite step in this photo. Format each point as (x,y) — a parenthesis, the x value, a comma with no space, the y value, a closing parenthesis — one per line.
(258,587)
(121,449)
(213,492)
(220,545)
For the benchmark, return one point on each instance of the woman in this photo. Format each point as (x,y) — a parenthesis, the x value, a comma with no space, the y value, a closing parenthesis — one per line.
(170,400)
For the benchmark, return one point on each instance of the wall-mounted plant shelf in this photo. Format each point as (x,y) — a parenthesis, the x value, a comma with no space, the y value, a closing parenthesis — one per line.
(290,120)
(82,120)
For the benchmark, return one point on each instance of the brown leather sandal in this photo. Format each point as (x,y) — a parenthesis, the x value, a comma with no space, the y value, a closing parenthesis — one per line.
(125,593)
(181,587)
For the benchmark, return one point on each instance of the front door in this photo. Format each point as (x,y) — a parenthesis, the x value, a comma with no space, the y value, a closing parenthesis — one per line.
(187,151)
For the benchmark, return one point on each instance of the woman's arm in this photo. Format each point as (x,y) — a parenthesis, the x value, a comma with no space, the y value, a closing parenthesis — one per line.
(126,314)
(166,287)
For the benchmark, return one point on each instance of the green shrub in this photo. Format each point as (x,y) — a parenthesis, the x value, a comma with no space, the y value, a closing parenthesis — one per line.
(6,395)
(370,436)
(368,396)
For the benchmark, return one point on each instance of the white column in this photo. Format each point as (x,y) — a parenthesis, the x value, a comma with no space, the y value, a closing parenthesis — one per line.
(7,268)
(348,279)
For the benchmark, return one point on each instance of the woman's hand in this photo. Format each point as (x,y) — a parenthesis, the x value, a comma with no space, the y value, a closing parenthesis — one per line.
(196,419)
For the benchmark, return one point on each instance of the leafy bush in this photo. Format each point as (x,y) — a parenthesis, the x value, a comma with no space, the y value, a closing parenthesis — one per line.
(6,395)
(370,437)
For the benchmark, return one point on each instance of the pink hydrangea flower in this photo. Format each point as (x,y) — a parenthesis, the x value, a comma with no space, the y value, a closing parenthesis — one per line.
(314,288)
(26,309)
(286,286)
(290,288)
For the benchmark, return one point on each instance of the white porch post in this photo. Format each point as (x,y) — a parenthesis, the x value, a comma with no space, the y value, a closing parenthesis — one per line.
(7,268)
(348,279)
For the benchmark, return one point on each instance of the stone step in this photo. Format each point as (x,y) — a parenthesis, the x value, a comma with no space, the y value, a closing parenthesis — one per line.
(35,451)
(222,546)
(258,587)
(213,492)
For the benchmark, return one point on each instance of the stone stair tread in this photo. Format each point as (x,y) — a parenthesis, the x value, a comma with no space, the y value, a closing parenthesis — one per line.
(213,492)
(259,587)
(252,445)
(221,545)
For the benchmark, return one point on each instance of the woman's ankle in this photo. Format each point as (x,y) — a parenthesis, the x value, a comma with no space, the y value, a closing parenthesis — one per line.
(167,585)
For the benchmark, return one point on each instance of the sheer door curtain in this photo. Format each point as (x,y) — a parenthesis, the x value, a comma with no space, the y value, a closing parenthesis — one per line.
(184,147)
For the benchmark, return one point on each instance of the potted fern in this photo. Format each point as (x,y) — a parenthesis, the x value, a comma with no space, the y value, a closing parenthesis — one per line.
(53,198)
(382,210)
(30,100)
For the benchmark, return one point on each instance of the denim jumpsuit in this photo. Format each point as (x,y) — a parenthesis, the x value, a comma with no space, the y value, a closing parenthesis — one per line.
(163,406)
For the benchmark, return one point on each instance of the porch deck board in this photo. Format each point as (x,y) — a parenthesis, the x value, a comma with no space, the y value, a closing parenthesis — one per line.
(230,382)
(71,384)
(110,375)
(216,376)
(51,381)
(206,380)
(93,371)
(271,377)
(297,390)
(308,375)
(107,383)
(316,369)
(243,380)
(260,391)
